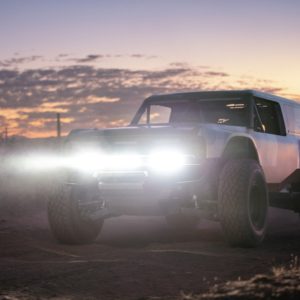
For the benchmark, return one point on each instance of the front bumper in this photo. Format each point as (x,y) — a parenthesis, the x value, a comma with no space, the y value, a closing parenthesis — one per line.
(143,193)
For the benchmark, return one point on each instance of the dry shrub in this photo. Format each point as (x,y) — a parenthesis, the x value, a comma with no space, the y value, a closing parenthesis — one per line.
(283,283)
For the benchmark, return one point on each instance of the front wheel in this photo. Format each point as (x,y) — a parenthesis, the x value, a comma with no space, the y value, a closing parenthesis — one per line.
(66,219)
(243,202)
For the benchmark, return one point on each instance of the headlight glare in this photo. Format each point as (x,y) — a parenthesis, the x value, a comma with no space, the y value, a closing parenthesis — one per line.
(166,161)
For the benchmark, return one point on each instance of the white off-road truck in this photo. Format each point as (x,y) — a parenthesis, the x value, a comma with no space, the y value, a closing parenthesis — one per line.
(221,155)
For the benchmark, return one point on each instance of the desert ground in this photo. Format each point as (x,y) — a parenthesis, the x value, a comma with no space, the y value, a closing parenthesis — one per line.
(133,258)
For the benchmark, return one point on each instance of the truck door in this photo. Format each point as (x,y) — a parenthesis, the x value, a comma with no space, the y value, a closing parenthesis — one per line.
(278,152)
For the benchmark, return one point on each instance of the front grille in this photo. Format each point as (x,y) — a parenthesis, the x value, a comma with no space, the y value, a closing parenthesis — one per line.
(123,177)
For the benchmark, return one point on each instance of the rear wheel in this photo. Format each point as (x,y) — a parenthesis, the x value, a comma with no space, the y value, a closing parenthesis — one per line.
(68,221)
(243,203)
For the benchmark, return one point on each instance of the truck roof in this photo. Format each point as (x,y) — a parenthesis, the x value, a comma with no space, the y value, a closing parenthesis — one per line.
(222,94)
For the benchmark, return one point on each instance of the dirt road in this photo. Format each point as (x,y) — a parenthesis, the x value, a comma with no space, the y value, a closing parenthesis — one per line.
(134,258)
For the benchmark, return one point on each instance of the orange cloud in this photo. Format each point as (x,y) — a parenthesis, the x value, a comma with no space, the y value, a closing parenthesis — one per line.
(95,99)
(103,97)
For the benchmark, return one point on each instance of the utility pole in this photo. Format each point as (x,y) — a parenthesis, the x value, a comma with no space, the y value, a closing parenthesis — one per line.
(6,135)
(58,126)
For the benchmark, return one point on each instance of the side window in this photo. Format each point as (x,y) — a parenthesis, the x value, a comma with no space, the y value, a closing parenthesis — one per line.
(159,114)
(269,118)
(292,116)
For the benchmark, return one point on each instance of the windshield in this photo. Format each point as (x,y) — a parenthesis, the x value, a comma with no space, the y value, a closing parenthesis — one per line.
(226,112)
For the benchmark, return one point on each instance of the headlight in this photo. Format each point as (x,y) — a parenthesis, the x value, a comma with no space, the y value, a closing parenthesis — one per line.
(39,162)
(102,162)
(162,161)
(166,161)
(124,162)
(85,161)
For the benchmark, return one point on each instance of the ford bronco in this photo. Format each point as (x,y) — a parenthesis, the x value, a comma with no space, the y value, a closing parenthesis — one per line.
(220,155)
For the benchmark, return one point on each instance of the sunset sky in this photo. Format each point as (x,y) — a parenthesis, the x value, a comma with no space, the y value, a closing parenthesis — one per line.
(94,61)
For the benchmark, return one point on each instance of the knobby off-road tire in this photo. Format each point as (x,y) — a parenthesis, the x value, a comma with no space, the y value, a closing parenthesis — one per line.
(65,219)
(243,203)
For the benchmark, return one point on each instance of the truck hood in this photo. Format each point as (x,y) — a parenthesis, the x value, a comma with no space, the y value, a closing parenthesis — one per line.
(136,138)
(135,131)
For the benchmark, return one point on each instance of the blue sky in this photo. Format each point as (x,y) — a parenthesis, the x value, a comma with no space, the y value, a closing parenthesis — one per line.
(169,28)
